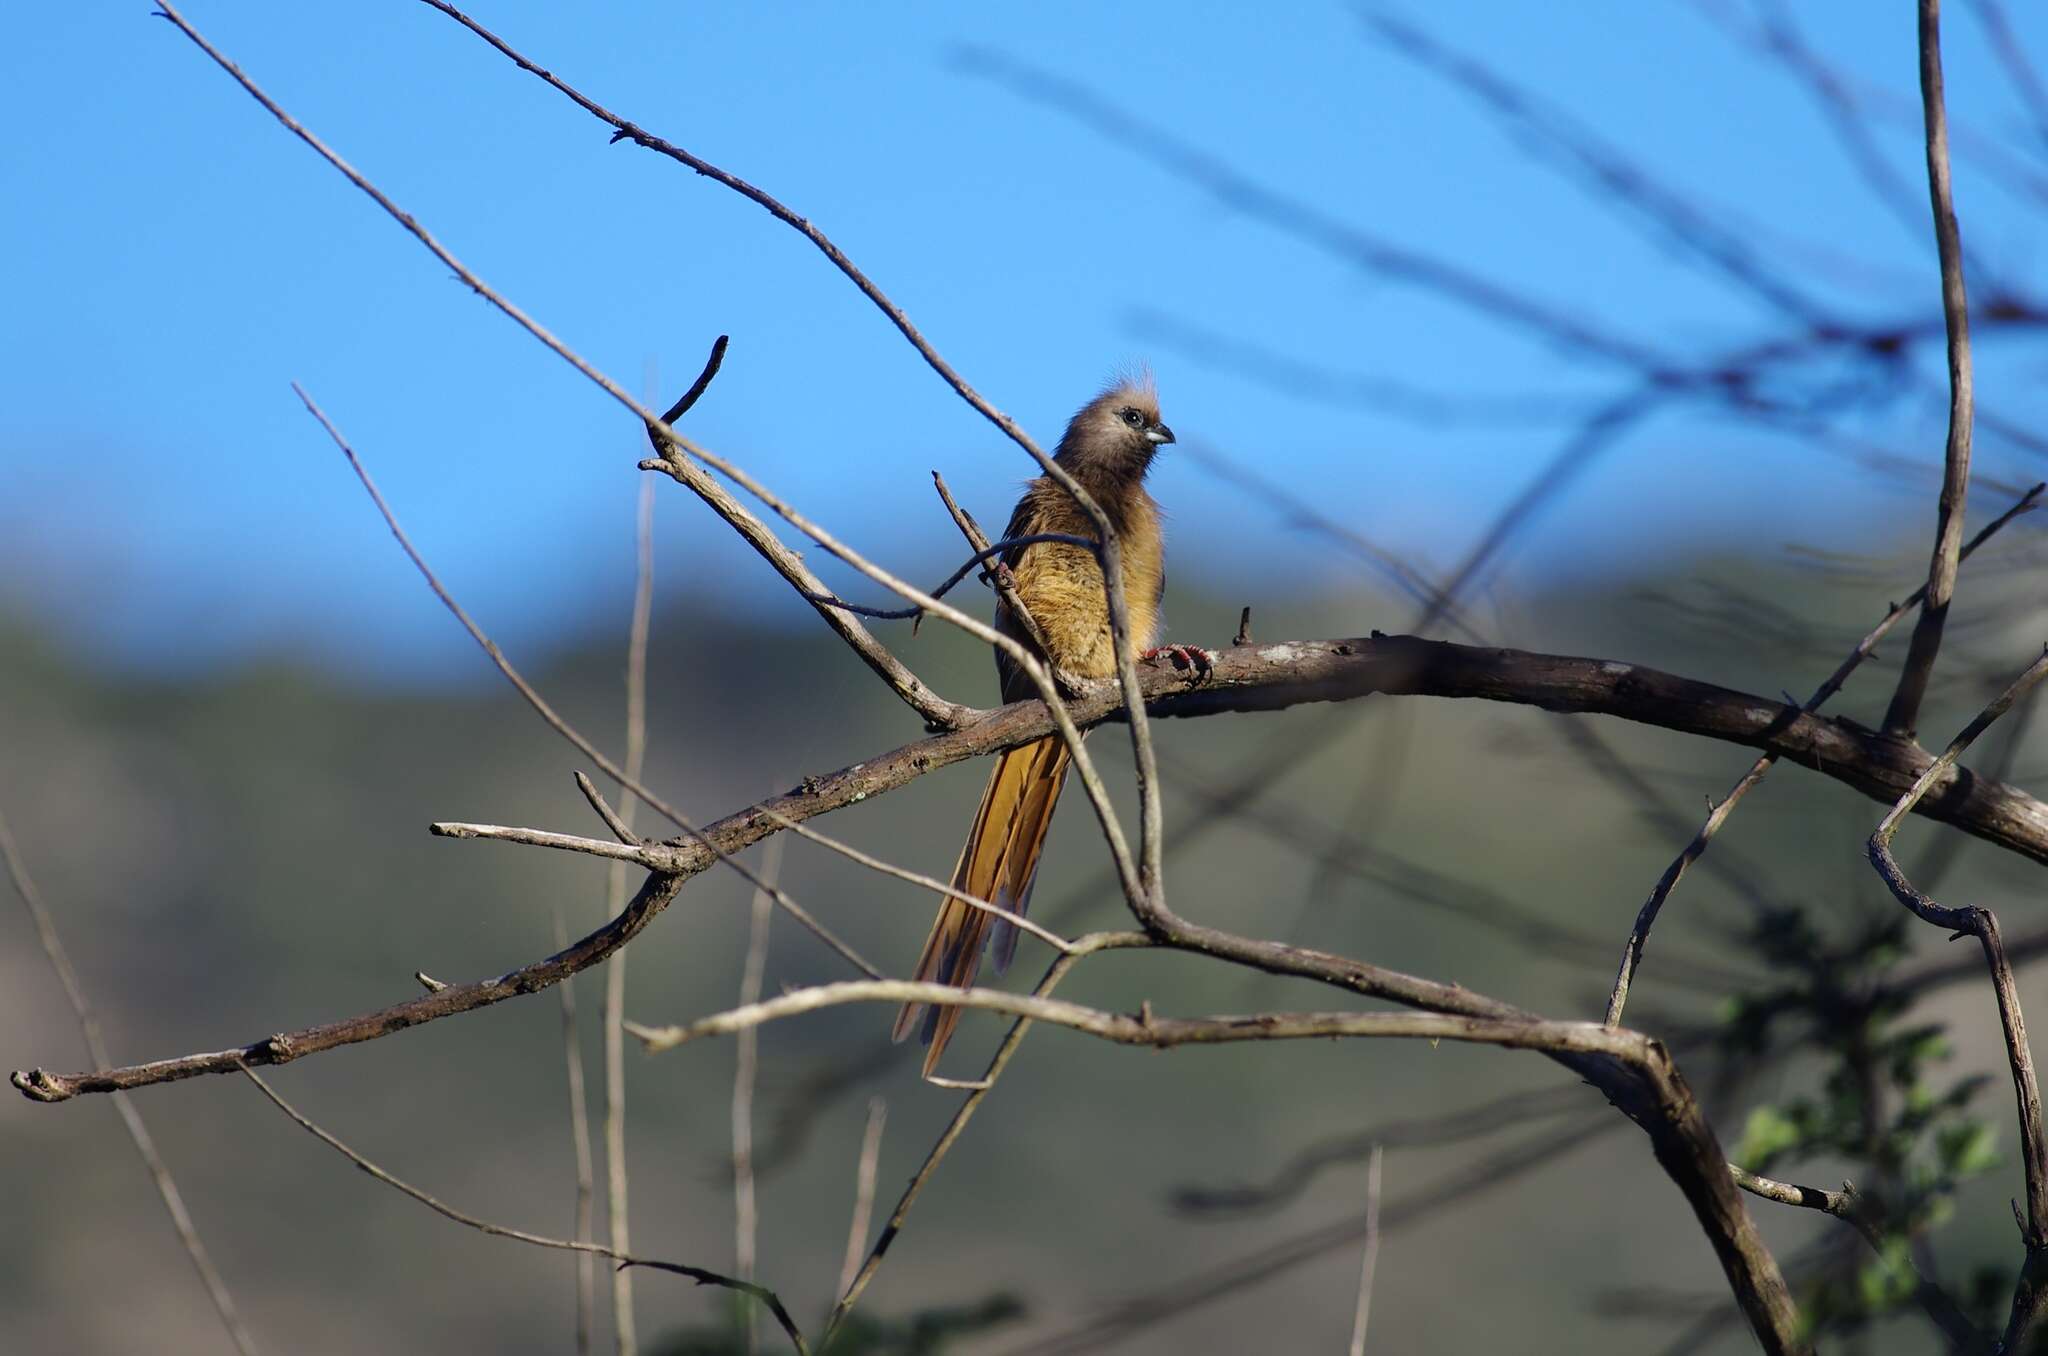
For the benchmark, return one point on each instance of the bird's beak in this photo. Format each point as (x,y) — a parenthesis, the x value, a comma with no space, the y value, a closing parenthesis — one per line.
(1159,433)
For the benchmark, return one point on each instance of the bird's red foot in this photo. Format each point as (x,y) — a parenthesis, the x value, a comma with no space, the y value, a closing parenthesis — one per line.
(1184,657)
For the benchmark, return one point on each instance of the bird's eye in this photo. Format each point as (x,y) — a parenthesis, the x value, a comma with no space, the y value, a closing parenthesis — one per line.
(1133,418)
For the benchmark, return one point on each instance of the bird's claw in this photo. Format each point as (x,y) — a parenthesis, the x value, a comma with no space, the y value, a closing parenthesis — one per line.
(1184,657)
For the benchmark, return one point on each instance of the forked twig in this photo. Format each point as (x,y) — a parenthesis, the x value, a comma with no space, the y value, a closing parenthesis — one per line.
(624,776)
(1717,815)
(1971,921)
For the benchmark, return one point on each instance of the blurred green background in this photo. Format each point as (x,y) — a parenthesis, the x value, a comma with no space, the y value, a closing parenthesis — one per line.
(243,853)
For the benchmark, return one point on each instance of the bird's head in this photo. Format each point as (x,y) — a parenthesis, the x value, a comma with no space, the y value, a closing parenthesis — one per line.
(1117,433)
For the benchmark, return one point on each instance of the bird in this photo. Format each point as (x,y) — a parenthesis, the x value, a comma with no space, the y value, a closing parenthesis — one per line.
(1108,447)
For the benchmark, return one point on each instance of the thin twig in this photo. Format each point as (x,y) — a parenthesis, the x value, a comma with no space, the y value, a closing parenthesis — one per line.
(1142,880)
(1983,925)
(625,1332)
(1372,1252)
(905,684)
(887,868)
(981,555)
(655,857)
(1855,1211)
(1005,583)
(620,829)
(1717,815)
(863,1192)
(746,1219)
(622,775)
(850,1292)
(1149,1029)
(446,1211)
(138,1132)
(1610,177)
(1904,713)
(579,1137)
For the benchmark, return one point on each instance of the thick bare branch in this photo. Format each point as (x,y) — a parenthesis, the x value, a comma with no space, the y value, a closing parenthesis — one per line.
(1249,678)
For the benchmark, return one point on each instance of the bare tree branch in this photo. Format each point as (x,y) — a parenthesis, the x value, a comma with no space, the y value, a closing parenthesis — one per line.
(1853,1210)
(905,684)
(850,1291)
(1144,887)
(746,1064)
(1147,1029)
(627,777)
(579,1139)
(1904,714)
(1717,815)
(1983,925)
(1372,1252)
(1003,581)
(625,1331)
(1250,678)
(863,1192)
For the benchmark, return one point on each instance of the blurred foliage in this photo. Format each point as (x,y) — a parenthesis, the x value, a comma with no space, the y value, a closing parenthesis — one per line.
(1870,1099)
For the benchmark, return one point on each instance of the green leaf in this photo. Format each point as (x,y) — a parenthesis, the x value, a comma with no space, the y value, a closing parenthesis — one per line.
(1767,1133)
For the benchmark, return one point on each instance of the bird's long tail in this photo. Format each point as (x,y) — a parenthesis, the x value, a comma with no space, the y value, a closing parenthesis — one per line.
(997,865)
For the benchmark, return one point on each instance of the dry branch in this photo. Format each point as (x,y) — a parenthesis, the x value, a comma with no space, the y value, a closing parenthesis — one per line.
(1904,713)
(1250,678)
(1144,885)
(1717,815)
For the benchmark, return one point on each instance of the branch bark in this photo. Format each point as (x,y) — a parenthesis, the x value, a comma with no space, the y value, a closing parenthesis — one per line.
(1904,714)
(1982,924)
(1250,678)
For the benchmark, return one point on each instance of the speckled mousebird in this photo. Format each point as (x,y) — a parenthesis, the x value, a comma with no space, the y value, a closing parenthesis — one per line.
(1108,447)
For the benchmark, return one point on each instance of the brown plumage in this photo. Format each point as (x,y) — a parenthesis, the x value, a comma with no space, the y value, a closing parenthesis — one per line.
(1108,446)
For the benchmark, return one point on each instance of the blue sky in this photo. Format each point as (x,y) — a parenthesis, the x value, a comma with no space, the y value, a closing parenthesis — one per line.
(176,259)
